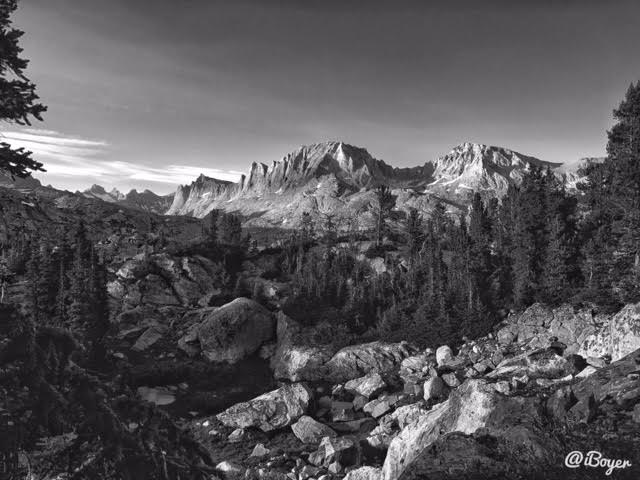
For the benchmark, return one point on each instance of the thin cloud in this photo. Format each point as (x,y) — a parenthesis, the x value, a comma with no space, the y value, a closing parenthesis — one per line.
(83,159)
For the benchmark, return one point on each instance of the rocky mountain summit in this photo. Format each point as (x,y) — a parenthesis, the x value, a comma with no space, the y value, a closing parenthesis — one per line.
(338,178)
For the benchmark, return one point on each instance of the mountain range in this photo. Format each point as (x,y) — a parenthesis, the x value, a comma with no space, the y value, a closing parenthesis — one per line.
(331,178)
(338,179)
(145,200)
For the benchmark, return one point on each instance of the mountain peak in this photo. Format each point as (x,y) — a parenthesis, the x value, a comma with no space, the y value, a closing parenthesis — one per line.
(95,188)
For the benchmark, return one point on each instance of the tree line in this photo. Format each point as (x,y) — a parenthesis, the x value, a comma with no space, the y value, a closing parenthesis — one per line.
(464,273)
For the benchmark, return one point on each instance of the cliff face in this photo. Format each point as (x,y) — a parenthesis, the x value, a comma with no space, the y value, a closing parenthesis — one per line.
(194,199)
(338,178)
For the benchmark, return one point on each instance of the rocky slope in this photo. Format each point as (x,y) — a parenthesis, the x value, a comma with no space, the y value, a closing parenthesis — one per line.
(513,404)
(338,178)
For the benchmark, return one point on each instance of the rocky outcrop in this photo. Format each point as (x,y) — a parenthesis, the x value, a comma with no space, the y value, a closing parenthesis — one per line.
(473,406)
(235,330)
(270,411)
(162,279)
(498,407)
(583,331)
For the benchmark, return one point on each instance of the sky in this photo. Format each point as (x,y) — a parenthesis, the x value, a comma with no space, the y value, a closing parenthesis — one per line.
(148,94)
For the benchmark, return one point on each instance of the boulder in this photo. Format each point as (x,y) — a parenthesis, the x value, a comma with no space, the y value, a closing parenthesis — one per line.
(378,407)
(474,405)
(443,355)
(154,290)
(451,380)
(542,363)
(358,360)
(434,388)
(341,450)
(615,381)
(150,336)
(364,473)
(230,470)
(270,411)
(235,330)
(295,361)
(260,451)
(368,386)
(625,332)
(309,430)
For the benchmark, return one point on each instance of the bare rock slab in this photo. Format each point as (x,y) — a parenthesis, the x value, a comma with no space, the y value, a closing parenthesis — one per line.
(270,411)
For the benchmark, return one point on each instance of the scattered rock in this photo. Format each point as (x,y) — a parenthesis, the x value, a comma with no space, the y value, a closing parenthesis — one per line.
(451,379)
(587,371)
(636,413)
(341,450)
(150,336)
(378,407)
(309,430)
(237,436)
(364,473)
(368,386)
(230,471)
(260,451)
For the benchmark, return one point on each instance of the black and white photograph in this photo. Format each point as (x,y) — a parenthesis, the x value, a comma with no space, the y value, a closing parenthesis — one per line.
(319,240)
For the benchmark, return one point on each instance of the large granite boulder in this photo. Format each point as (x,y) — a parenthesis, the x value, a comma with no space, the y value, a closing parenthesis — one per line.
(358,360)
(474,405)
(270,411)
(625,331)
(235,330)
(293,360)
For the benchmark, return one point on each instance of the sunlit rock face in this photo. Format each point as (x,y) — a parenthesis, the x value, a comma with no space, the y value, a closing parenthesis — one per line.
(337,178)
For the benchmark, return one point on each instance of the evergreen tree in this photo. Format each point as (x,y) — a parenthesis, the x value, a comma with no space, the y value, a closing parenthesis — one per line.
(6,275)
(613,193)
(213,219)
(385,202)
(479,257)
(414,233)
(307,230)
(98,313)
(80,278)
(230,229)
(18,93)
